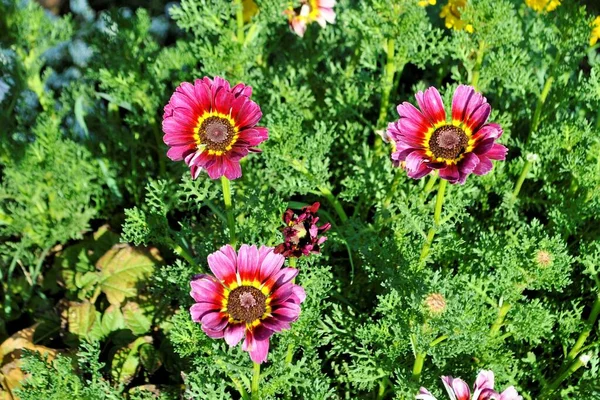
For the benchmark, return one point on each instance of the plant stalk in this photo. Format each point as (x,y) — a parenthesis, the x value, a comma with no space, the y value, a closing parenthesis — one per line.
(239,14)
(540,104)
(418,367)
(388,82)
(522,176)
(580,362)
(334,202)
(478,62)
(591,321)
(439,201)
(504,309)
(229,209)
(255,381)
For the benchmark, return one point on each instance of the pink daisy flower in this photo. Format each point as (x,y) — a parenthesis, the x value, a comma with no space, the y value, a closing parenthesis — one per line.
(425,141)
(250,297)
(320,11)
(212,126)
(483,389)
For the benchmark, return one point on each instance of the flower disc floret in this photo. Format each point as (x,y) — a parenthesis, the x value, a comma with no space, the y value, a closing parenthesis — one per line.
(249,297)
(423,140)
(212,126)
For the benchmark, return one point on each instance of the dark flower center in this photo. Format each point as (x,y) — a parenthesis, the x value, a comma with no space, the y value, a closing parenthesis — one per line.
(448,142)
(246,303)
(216,133)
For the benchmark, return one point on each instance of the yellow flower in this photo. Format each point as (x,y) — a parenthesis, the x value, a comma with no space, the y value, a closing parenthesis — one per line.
(425,3)
(451,13)
(543,5)
(250,9)
(595,31)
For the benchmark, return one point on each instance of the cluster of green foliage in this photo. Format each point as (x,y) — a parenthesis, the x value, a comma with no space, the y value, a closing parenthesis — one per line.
(101,232)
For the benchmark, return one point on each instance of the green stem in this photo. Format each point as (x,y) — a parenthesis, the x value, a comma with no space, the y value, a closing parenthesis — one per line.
(159,149)
(239,13)
(292,261)
(580,362)
(502,312)
(382,387)
(478,62)
(255,381)
(388,82)
(540,104)
(418,367)
(439,201)
(438,340)
(430,184)
(228,209)
(589,326)
(524,172)
(334,202)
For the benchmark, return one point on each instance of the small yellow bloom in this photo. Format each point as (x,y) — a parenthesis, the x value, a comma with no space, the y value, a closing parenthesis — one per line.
(543,5)
(250,9)
(425,3)
(451,13)
(595,31)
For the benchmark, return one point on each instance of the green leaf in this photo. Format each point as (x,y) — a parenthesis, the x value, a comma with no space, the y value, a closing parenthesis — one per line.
(112,320)
(126,360)
(150,358)
(135,318)
(122,267)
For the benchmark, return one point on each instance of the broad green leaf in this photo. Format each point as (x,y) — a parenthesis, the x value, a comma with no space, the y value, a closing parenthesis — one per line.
(122,267)
(112,320)
(135,318)
(126,360)
(150,358)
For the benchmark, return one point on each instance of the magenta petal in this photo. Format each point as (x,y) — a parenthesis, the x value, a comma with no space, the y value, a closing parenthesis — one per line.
(231,169)
(497,152)
(218,334)
(461,98)
(282,277)
(200,310)
(286,312)
(484,166)
(479,117)
(222,101)
(468,163)
(510,394)
(484,146)
(422,171)
(261,332)
(409,112)
(274,324)
(248,115)
(485,380)
(270,265)
(461,389)
(247,262)
(260,350)
(177,153)
(432,105)
(203,95)
(450,173)
(281,295)
(488,131)
(216,170)
(254,136)
(223,265)
(214,320)
(414,160)
(234,333)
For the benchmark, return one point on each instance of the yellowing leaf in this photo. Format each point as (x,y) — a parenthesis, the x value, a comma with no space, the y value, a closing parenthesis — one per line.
(126,360)
(122,268)
(81,317)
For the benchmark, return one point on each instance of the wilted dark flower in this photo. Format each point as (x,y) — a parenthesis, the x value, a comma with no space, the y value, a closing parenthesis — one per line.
(301,234)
